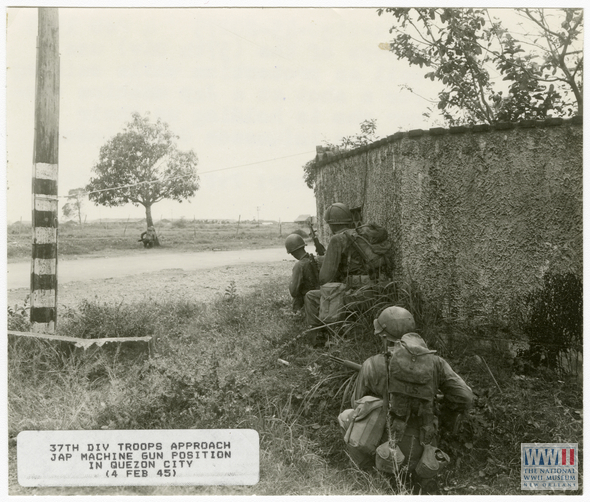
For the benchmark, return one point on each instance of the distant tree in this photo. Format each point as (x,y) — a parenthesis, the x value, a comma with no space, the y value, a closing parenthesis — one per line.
(367,135)
(142,165)
(541,60)
(73,208)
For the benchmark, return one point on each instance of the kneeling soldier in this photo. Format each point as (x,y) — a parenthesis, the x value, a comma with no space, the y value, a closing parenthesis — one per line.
(305,275)
(394,398)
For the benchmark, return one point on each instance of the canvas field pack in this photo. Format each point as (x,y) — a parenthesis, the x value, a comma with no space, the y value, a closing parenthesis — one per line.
(411,370)
(372,243)
(367,424)
(332,302)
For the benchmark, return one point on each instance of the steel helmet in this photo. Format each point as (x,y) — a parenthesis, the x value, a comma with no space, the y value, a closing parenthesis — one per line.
(395,322)
(338,213)
(294,242)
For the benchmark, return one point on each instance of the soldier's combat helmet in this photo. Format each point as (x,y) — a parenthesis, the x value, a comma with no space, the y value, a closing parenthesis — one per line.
(338,214)
(394,322)
(294,242)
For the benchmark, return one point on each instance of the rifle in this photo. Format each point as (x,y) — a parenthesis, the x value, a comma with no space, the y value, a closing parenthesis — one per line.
(319,247)
(349,364)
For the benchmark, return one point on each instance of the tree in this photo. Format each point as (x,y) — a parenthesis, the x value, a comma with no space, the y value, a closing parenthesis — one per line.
(540,59)
(367,135)
(73,207)
(142,165)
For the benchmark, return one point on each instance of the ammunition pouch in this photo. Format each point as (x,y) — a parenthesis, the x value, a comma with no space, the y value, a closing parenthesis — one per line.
(358,281)
(388,459)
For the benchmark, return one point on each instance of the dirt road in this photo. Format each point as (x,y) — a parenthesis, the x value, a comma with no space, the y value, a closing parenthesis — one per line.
(195,276)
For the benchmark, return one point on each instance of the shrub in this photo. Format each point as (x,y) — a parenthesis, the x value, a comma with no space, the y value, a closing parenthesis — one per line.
(18,316)
(554,321)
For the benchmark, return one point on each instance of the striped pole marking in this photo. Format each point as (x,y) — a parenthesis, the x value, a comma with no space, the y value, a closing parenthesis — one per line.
(44,259)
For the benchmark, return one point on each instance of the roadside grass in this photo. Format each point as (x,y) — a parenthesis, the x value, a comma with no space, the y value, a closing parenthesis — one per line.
(118,237)
(217,366)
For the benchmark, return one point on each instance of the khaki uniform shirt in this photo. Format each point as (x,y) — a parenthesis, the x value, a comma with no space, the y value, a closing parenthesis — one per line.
(336,266)
(304,278)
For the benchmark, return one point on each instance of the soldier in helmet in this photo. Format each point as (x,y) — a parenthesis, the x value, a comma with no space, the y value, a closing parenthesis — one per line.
(148,238)
(305,271)
(407,377)
(340,261)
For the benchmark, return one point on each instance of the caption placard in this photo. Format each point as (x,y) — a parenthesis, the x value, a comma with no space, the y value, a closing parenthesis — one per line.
(138,457)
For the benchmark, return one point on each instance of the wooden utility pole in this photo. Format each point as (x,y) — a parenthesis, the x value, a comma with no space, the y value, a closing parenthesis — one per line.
(45,168)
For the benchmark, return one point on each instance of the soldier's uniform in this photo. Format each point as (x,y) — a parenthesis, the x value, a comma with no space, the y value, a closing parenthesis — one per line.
(342,263)
(372,381)
(304,278)
(148,237)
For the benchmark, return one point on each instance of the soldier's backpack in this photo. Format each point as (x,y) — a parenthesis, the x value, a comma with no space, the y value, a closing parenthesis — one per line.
(332,302)
(372,244)
(366,425)
(411,389)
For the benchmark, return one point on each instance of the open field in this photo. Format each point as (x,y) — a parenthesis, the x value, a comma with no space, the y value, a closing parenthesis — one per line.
(110,238)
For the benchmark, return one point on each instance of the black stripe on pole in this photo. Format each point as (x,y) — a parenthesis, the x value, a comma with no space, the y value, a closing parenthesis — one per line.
(44,219)
(43,314)
(43,281)
(42,186)
(44,251)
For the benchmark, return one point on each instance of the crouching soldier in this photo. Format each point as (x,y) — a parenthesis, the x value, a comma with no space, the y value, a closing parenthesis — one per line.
(148,238)
(393,425)
(305,275)
(356,260)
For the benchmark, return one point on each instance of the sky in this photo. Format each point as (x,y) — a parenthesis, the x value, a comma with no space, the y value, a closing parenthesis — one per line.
(251,91)
(250,87)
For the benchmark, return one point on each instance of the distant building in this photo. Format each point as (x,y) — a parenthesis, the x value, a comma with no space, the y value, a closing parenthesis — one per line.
(303,219)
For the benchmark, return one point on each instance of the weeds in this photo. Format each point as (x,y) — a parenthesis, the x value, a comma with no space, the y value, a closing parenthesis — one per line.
(18,316)
(553,323)
(216,367)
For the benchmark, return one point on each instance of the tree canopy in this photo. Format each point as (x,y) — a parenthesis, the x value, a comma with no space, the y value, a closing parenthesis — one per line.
(142,166)
(73,208)
(538,53)
(367,135)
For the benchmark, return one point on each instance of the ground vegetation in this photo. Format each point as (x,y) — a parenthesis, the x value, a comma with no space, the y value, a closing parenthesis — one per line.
(241,361)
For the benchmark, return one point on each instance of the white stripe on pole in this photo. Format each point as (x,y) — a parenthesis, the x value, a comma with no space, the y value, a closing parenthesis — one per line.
(43,327)
(45,235)
(45,171)
(45,267)
(44,298)
(45,204)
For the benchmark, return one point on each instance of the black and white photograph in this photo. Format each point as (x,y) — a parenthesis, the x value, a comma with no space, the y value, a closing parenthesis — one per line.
(328,250)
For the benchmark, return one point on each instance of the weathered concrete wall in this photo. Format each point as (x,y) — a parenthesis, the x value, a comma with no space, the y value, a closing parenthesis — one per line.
(478,215)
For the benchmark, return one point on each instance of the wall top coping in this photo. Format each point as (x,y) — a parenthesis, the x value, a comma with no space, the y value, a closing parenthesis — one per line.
(325,155)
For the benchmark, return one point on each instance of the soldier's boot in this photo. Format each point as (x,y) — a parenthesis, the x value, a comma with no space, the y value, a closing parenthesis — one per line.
(426,486)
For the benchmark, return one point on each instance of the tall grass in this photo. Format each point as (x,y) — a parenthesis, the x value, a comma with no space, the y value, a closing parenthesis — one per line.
(217,366)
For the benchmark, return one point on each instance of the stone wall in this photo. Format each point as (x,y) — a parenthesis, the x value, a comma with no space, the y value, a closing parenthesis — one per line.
(478,215)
